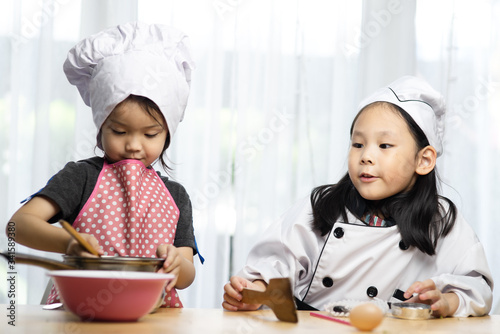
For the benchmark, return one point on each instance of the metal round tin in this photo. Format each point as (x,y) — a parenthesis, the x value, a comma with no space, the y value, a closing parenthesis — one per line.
(411,311)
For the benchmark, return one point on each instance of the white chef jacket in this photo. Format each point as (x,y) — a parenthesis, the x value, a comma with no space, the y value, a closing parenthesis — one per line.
(359,262)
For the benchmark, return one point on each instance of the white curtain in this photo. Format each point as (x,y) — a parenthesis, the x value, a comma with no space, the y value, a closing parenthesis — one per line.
(273,96)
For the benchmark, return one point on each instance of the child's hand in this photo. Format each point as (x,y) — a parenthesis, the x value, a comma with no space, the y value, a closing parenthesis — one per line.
(172,262)
(232,295)
(75,249)
(442,304)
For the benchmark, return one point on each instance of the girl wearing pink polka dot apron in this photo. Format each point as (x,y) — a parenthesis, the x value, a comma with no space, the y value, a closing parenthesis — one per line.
(131,213)
(135,77)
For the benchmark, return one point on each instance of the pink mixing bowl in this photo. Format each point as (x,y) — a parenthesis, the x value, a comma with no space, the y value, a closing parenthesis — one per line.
(109,295)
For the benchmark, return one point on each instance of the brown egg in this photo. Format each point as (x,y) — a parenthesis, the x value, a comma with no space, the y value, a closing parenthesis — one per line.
(366,317)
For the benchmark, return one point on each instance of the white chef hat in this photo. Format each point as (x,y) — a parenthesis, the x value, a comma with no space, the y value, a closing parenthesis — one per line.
(133,58)
(424,104)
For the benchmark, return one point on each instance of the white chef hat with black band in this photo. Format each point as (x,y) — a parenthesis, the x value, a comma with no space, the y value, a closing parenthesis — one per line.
(422,102)
(149,60)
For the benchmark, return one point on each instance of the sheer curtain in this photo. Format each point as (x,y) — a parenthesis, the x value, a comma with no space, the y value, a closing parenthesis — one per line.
(458,46)
(273,95)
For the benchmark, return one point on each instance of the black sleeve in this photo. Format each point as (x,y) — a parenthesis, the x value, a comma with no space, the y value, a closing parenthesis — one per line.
(71,187)
(184,235)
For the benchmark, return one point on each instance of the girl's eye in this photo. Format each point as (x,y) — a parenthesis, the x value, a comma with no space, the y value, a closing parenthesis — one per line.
(116,132)
(152,135)
(385,145)
(357,145)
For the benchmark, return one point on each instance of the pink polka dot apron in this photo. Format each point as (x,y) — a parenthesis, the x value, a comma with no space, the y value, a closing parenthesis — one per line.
(130,212)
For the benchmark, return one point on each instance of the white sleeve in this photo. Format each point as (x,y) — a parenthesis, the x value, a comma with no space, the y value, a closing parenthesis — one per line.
(474,293)
(288,248)
(471,280)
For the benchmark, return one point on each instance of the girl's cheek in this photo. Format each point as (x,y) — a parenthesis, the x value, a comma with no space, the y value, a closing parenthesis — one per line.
(405,165)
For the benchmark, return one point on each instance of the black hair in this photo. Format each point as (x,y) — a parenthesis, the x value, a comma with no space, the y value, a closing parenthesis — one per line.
(419,213)
(154,111)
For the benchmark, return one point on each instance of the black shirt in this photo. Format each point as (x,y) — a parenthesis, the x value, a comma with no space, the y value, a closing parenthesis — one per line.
(71,187)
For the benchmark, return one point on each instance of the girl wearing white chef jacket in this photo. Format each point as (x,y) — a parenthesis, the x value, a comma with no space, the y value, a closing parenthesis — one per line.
(135,77)
(382,231)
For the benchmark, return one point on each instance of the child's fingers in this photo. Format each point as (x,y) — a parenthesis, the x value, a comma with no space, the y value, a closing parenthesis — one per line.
(161,251)
(232,295)
(238,283)
(172,283)
(74,248)
(414,288)
(431,296)
(428,291)
(232,292)
(171,263)
(95,244)
(171,255)
(414,299)
(228,306)
(428,284)
(440,307)
(232,301)
(420,287)
(232,304)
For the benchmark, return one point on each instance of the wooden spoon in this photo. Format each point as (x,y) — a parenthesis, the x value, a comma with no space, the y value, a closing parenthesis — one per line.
(278,296)
(78,237)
